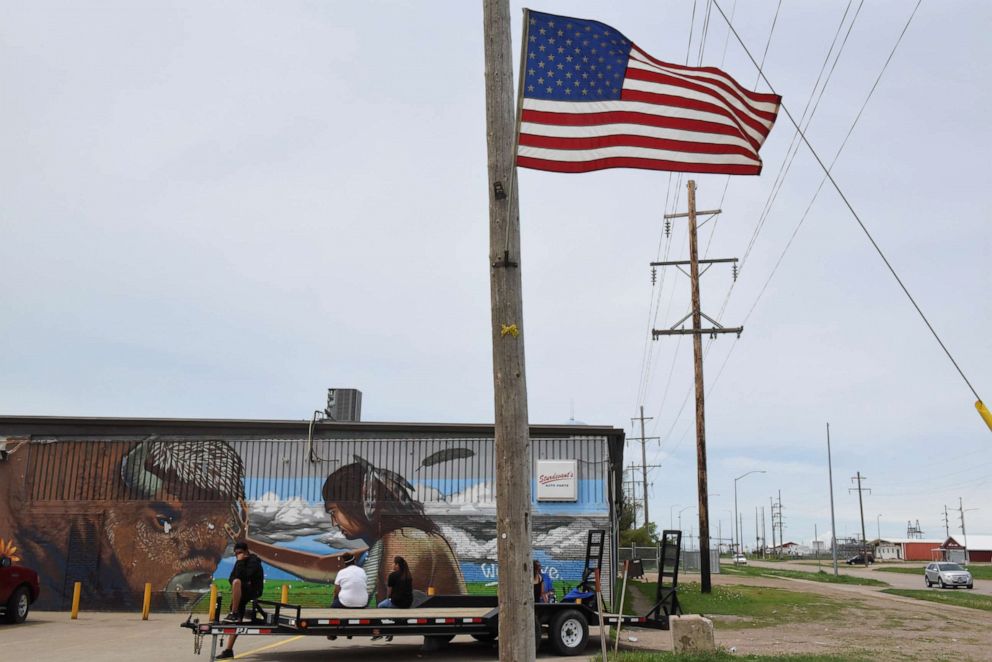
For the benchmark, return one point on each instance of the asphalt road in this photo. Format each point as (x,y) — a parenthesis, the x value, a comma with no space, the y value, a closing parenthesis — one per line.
(894,579)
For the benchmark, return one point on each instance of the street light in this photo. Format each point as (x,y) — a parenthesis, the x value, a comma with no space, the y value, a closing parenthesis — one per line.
(680,515)
(671,518)
(737,526)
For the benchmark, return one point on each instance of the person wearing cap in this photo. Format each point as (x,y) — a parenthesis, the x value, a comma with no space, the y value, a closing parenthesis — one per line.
(350,585)
(247,581)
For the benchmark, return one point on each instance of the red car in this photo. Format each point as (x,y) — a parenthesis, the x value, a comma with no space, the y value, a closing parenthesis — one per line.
(18,590)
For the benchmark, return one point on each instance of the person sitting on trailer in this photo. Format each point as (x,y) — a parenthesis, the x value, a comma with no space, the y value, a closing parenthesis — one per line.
(542,584)
(350,585)
(247,581)
(400,583)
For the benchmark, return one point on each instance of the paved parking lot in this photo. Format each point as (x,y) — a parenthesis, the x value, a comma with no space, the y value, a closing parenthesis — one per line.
(114,637)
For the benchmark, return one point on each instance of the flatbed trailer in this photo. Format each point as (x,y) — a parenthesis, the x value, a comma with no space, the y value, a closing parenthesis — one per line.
(438,620)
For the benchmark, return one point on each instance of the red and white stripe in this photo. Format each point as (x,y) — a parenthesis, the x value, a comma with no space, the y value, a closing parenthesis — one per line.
(669,117)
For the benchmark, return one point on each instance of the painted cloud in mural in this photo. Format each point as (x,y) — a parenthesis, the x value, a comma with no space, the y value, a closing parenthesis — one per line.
(277,519)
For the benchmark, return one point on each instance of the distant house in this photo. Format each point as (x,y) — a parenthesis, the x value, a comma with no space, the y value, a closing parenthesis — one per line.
(788,549)
(906,549)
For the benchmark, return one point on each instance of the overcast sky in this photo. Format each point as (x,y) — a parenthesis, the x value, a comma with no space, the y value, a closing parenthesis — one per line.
(220,209)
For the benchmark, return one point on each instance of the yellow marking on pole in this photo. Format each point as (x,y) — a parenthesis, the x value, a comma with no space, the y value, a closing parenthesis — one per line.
(285,594)
(509,329)
(146,605)
(983,411)
(430,590)
(211,614)
(267,647)
(77,591)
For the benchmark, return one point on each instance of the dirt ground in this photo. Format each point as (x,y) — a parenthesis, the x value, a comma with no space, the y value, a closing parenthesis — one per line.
(877,626)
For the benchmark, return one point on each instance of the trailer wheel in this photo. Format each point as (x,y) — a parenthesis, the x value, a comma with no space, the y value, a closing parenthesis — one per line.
(569,632)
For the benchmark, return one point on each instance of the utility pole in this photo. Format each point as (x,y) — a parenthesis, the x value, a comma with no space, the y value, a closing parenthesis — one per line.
(764,539)
(757,540)
(861,505)
(964,534)
(644,463)
(947,524)
(833,522)
(697,352)
(816,546)
(740,525)
(512,434)
(771,513)
(781,527)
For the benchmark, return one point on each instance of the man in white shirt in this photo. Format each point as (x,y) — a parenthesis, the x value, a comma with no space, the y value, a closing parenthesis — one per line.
(350,589)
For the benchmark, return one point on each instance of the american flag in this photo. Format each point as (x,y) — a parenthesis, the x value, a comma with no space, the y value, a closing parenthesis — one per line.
(593,100)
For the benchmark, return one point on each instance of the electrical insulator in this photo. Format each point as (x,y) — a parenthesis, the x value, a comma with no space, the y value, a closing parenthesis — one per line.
(734,271)
(668,228)
(654,275)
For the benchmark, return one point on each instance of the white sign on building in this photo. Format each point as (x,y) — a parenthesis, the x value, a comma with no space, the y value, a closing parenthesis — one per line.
(557,480)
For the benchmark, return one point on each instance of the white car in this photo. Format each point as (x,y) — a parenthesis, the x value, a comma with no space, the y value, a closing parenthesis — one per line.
(740,559)
(947,575)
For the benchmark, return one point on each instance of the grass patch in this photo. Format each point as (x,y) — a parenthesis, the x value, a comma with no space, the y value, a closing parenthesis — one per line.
(947,597)
(977,571)
(753,606)
(821,576)
(725,656)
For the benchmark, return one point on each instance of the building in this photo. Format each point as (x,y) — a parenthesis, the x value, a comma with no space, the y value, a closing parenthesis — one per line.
(114,503)
(906,549)
(979,549)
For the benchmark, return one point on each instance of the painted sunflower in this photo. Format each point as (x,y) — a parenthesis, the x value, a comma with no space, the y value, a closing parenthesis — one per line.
(9,549)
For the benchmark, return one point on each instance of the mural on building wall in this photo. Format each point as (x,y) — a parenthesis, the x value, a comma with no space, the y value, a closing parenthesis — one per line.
(116,515)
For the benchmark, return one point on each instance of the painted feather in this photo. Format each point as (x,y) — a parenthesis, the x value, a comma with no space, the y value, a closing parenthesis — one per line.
(446,455)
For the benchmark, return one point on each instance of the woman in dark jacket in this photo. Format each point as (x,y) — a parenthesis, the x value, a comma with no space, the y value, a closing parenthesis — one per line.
(400,584)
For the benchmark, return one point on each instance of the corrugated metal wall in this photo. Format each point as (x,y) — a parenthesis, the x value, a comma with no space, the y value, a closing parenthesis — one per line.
(90,470)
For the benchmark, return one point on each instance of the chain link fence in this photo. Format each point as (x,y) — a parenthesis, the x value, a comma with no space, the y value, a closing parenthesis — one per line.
(688,560)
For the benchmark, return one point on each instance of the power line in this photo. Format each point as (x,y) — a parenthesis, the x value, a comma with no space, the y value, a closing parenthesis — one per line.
(850,207)
(715,221)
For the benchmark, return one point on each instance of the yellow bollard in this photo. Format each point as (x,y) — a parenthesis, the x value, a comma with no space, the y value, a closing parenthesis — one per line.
(211,615)
(146,605)
(430,590)
(285,594)
(77,591)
